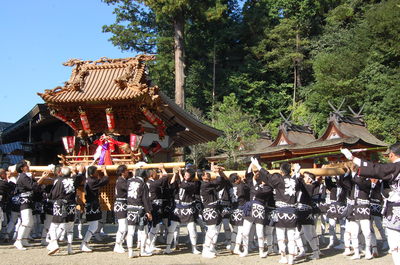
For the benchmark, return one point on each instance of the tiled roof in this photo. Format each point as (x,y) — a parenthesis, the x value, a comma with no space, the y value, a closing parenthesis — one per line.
(123,85)
(7,149)
(258,146)
(4,125)
(102,81)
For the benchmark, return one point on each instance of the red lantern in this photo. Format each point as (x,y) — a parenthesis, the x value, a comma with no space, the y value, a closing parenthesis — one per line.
(110,119)
(69,143)
(84,120)
(155,121)
(64,119)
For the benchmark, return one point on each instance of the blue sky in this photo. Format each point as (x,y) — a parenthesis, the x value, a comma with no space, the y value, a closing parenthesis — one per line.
(37,36)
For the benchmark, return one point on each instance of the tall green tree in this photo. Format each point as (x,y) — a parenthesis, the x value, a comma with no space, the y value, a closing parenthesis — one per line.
(140,24)
(357,59)
(238,127)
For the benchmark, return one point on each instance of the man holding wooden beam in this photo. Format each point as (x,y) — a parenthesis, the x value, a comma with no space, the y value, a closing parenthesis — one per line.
(389,173)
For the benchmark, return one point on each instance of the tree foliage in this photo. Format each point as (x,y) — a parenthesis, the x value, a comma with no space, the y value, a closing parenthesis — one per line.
(260,58)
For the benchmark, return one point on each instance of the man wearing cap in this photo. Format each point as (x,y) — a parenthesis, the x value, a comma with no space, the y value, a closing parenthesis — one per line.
(389,173)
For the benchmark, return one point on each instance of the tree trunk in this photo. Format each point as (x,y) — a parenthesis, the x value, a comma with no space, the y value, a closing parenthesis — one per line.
(296,69)
(179,24)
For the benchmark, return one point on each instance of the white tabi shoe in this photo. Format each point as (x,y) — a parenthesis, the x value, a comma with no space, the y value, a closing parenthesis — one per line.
(368,255)
(85,248)
(283,260)
(131,254)
(236,251)
(290,259)
(195,251)
(118,248)
(263,254)
(244,254)
(301,255)
(144,253)
(347,252)
(53,248)
(208,254)
(18,245)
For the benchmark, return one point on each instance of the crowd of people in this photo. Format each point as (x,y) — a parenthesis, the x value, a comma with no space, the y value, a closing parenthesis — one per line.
(272,213)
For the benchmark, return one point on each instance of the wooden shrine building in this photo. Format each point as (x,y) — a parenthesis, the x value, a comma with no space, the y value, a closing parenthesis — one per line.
(295,141)
(117,98)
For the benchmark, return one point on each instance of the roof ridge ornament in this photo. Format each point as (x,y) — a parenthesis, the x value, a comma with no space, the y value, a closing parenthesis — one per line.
(286,120)
(307,122)
(336,114)
(358,114)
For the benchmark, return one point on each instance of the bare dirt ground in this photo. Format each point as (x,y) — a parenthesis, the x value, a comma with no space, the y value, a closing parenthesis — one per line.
(103,255)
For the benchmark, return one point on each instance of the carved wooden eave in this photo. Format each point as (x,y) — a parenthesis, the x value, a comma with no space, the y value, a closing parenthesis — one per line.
(123,85)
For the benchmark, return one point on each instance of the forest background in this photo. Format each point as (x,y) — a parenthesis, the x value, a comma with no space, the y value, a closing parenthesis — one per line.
(236,65)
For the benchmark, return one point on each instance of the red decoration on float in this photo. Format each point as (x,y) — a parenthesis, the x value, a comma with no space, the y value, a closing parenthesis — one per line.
(152,149)
(64,119)
(135,141)
(69,143)
(155,121)
(84,120)
(110,119)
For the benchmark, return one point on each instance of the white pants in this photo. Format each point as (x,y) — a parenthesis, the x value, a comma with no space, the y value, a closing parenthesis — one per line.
(365,226)
(332,231)
(26,224)
(393,237)
(122,230)
(310,235)
(246,234)
(236,236)
(142,237)
(281,236)
(347,234)
(68,228)
(211,236)
(191,229)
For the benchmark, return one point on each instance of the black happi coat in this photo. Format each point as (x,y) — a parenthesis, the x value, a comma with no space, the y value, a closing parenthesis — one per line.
(156,190)
(240,194)
(6,190)
(209,198)
(26,186)
(306,204)
(63,194)
(138,202)
(285,189)
(121,191)
(185,197)
(389,173)
(92,192)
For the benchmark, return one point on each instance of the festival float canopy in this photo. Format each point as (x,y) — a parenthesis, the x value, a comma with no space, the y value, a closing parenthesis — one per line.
(116,96)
